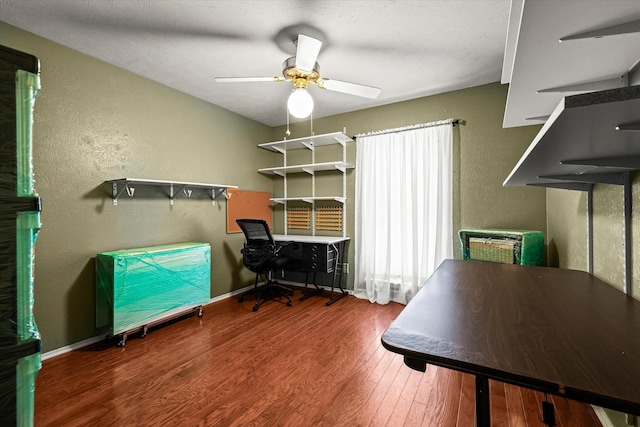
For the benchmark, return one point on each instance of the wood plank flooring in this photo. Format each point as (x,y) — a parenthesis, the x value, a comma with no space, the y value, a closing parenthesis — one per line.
(306,365)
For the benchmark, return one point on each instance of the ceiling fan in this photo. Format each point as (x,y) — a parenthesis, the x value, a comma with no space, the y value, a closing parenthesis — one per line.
(302,69)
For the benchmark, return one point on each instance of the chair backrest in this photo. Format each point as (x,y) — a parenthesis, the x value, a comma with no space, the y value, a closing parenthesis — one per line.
(259,246)
(256,231)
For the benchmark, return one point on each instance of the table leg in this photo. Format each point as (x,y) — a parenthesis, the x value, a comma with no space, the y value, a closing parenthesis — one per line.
(317,291)
(338,260)
(483,406)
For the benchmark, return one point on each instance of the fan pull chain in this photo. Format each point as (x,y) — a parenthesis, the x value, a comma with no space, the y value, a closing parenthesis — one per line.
(288,132)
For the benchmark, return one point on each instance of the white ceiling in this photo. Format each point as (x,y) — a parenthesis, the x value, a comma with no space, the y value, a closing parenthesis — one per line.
(407,48)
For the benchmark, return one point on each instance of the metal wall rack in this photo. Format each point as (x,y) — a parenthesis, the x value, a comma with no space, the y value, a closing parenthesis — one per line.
(122,185)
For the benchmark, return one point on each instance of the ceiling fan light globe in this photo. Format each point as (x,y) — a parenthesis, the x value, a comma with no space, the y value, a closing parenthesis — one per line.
(300,103)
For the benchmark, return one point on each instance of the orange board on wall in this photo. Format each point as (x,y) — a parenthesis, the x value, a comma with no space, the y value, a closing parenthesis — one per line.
(247,204)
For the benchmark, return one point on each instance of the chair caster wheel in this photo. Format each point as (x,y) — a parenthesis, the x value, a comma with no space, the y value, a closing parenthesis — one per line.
(255,308)
(289,303)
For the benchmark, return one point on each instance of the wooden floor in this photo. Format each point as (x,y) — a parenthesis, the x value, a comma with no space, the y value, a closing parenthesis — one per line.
(306,365)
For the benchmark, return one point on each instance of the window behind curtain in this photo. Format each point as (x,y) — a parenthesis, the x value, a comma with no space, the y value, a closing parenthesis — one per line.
(404,211)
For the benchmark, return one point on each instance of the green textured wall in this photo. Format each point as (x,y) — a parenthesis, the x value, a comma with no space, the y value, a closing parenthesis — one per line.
(484,155)
(567,229)
(95,122)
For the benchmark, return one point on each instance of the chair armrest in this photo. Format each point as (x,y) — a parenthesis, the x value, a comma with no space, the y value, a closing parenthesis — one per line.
(281,245)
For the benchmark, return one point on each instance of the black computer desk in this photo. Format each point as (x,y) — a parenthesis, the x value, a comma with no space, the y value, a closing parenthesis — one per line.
(315,254)
(558,331)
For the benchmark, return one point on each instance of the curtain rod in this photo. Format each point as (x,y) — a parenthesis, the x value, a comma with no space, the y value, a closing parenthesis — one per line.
(411,127)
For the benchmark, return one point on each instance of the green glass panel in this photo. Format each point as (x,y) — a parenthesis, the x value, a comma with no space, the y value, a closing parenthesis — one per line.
(27,227)
(27,86)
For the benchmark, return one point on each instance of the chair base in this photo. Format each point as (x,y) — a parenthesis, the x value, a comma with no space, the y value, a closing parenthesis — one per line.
(270,291)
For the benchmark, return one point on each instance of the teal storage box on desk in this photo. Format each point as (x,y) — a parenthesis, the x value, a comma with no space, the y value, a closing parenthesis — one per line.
(524,247)
(136,288)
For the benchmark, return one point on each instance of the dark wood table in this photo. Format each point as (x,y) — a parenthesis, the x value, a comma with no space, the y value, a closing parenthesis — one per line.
(558,331)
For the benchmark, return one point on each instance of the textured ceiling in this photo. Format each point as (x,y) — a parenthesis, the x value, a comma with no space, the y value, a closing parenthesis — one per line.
(407,48)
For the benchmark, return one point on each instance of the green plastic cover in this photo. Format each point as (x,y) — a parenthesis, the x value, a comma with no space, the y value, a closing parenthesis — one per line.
(528,251)
(27,227)
(27,86)
(26,373)
(19,225)
(137,286)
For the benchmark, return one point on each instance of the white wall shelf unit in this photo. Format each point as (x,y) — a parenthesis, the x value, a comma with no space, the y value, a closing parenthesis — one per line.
(121,185)
(310,143)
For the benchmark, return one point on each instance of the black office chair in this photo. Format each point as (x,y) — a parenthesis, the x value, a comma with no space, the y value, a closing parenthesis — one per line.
(260,254)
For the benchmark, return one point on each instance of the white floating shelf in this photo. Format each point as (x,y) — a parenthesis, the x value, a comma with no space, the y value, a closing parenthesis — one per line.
(308,142)
(310,168)
(309,200)
(118,186)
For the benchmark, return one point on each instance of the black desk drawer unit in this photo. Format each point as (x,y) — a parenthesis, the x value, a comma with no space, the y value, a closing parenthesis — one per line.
(318,257)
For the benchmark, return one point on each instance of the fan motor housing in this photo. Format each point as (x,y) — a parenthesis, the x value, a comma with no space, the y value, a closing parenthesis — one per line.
(290,72)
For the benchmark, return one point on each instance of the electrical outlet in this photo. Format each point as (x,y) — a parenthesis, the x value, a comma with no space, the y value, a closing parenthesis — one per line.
(345,267)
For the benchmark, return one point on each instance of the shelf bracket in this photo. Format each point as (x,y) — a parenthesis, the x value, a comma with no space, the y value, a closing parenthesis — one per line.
(628,127)
(590,229)
(614,83)
(632,162)
(626,28)
(216,192)
(541,118)
(339,141)
(115,194)
(628,285)
(578,186)
(593,178)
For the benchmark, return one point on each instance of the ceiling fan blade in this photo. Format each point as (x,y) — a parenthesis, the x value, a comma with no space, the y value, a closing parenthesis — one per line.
(247,79)
(307,52)
(351,88)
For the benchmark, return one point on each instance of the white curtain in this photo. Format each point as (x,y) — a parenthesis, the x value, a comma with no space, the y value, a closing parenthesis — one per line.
(404,211)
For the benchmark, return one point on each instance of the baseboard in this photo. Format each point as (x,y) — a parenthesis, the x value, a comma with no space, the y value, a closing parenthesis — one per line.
(89,341)
(301,286)
(71,347)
